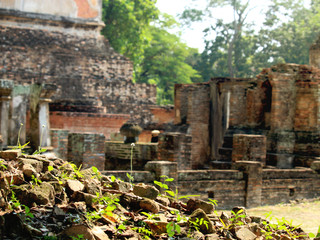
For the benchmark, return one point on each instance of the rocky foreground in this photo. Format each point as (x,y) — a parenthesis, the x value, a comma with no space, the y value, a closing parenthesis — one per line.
(48,198)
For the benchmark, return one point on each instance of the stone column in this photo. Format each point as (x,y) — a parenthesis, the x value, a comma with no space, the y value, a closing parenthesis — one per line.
(59,142)
(281,145)
(20,99)
(40,95)
(175,147)
(219,116)
(198,119)
(283,111)
(252,172)
(87,149)
(6,87)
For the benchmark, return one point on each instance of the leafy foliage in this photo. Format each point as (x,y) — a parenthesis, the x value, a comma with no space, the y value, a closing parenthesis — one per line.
(127,26)
(237,48)
(165,61)
(134,29)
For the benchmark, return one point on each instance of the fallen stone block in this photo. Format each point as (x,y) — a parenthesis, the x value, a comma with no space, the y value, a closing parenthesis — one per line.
(10,155)
(146,191)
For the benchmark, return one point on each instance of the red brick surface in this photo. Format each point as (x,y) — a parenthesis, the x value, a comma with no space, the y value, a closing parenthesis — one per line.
(88,122)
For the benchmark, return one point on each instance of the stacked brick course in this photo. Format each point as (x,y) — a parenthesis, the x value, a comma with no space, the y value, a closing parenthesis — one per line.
(71,53)
(248,147)
(88,122)
(118,155)
(87,150)
(176,147)
(59,142)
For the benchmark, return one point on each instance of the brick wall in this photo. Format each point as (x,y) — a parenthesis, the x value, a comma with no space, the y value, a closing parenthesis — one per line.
(283,185)
(176,147)
(74,56)
(225,186)
(87,150)
(79,65)
(162,115)
(198,119)
(248,147)
(118,155)
(121,97)
(192,103)
(59,142)
(88,122)
(249,185)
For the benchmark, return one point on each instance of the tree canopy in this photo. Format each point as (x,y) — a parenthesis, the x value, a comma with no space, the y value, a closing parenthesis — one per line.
(135,29)
(164,62)
(127,25)
(237,48)
(234,47)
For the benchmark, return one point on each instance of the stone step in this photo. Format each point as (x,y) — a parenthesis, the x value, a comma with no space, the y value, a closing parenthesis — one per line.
(225,154)
(220,164)
(227,141)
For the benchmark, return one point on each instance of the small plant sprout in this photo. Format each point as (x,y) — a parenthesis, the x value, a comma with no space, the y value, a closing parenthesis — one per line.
(213,202)
(173,228)
(2,166)
(317,235)
(96,172)
(14,203)
(40,149)
(121,228)
(78,237)
(19,133)
(35,181)
(50,168)
(131,163)
(174,195)
(143,231)
(28,213)
(19,146)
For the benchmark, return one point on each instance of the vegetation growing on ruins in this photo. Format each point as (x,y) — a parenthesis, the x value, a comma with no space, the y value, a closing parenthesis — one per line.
(85,203)
(236,48)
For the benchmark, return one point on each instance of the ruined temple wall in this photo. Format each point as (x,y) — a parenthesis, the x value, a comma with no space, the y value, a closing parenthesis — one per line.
(81,66)
(70,52)
(283,185)
(198,119)
(225,186)
(294,120)
(192,107)
(137,100)
(249,186)
(88,122)
(237,102)
(283,98)
(294,101)
(86,9)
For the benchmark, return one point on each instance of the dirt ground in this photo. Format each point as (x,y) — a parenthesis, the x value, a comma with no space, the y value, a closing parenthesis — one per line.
(305,213)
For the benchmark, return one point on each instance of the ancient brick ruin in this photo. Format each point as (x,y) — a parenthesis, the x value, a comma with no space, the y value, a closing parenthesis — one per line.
(240,141)
(42,43)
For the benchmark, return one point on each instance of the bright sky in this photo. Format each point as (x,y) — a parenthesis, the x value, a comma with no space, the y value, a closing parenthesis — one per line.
(193,37)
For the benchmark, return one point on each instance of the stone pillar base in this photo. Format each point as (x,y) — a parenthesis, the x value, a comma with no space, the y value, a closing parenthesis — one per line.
(248,147)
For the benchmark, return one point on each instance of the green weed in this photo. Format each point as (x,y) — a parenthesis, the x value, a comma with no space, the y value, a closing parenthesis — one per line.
(173,195)
(40,149)
(78,237)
